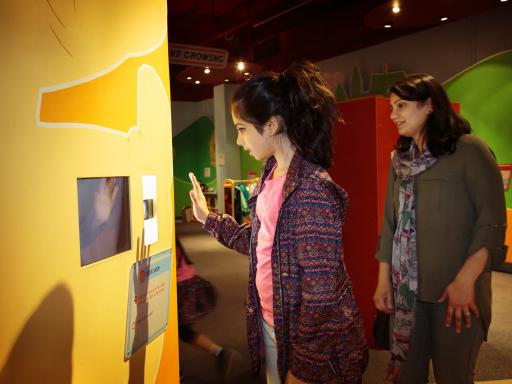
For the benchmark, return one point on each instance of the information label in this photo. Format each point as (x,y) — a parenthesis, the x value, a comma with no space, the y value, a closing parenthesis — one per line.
(148,300)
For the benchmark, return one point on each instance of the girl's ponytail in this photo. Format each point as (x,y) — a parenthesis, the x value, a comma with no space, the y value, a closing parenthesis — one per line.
(311,112)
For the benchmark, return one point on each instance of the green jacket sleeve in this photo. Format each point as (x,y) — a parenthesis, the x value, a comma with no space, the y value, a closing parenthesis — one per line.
(485,185)
(385,241)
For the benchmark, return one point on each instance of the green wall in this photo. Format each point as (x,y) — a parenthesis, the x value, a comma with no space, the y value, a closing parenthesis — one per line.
(193,150)
(484,92)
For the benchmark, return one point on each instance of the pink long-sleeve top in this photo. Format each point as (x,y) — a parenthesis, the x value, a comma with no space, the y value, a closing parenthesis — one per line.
(267,209)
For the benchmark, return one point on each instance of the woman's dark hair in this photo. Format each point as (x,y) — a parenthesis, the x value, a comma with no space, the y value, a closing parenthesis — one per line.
(444,126)
(301,100)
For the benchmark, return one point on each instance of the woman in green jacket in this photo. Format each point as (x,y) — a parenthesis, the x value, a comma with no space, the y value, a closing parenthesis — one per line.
(442,232)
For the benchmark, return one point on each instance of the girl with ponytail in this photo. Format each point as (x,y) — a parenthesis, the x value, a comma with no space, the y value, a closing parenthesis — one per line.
(302,319)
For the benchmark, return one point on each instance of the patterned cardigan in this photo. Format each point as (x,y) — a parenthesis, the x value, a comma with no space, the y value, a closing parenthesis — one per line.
(318,327)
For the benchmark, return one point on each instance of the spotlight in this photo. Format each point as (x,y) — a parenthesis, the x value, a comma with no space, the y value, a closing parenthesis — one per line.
(387,25)
(240,66)
(197,82)
(207,70)
(396,9)
(226,80)
(444,18)
(189,77)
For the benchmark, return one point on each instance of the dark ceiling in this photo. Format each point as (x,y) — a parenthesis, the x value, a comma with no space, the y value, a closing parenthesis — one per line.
(272,34)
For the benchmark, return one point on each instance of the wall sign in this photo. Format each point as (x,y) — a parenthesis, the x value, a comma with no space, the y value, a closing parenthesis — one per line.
(197,56)
(148,301)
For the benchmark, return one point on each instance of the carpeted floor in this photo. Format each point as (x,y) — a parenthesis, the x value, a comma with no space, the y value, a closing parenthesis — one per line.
(228,271)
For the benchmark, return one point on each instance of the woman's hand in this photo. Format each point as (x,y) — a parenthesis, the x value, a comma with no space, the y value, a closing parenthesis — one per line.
(461,291)
(461,302)
(383,297)
(198,200)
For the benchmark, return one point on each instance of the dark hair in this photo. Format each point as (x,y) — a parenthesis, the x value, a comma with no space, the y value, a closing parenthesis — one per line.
(444,126)
(302,101)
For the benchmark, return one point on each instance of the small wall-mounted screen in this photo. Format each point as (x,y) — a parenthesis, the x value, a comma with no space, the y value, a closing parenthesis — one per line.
(104,217)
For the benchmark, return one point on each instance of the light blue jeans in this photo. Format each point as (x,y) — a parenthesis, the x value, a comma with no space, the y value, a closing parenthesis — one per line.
(269,339)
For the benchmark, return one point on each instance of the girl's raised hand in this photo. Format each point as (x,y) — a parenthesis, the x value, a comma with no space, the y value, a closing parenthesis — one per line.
(198,200)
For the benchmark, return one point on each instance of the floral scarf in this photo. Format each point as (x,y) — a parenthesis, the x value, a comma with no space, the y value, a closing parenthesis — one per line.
(404,268)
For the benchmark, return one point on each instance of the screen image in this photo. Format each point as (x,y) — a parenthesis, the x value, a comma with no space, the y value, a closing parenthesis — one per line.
(104,217)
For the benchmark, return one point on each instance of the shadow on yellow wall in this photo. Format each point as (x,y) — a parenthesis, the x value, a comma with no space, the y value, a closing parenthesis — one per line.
(45,342)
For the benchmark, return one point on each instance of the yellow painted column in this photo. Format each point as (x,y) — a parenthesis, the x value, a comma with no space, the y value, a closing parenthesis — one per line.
(85,94)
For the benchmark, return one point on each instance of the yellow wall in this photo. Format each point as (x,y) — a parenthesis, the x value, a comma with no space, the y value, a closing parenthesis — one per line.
(85,93)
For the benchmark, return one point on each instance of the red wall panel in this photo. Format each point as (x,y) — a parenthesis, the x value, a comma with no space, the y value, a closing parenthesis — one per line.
(362,147)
